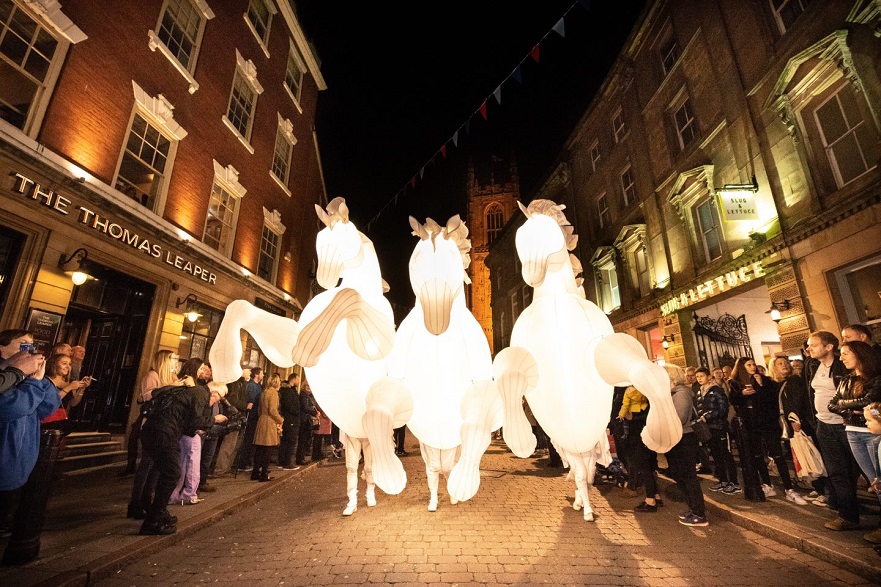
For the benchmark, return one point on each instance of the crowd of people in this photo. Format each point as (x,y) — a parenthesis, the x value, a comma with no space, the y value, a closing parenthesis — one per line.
(832,395)
(191,429)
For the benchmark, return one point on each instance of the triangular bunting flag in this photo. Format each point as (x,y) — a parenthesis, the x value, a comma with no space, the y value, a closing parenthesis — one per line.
(456,138)
(422,172)
(498,94)
(534,53)
(483,110)
(443,150)
(560,28)
(468,126)
(517,75)
(413,183)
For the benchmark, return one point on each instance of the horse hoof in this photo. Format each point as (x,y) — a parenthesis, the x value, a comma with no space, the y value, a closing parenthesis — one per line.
(432,505)
(371,500)
(588,516)
(350,509)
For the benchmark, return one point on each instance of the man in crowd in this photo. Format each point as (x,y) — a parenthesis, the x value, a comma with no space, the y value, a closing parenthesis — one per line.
(861,333)
(254,391)
(77,354)
(289,408)
(823,372)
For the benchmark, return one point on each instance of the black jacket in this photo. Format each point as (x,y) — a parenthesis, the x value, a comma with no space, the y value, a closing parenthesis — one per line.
(795,398)
(237,394)
(307,407)
(848,405)
(761,410)
(837,371)
(289,408)
(189,411)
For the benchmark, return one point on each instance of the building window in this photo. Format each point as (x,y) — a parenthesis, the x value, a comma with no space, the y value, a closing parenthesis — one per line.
(293,77)
(641,268)
(180,29)
(595,155)
(269,244)
(142,170)
(281,157)
(707,220)
(628,189)
(787,11)
(223,209)
(197,337)
(495,219)
(608,293)
(669,53)
(686,128)
(630,245)
(847,138)
(858,300)
(603,211)
(259,16)
(618,125)
(29,58)
(243,100)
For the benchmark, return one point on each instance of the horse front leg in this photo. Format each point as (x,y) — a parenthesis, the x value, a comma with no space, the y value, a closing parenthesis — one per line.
(389,406)
(481,414)
(516,372)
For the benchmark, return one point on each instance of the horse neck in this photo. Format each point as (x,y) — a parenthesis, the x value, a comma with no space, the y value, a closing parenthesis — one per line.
(366,276)
(559,277)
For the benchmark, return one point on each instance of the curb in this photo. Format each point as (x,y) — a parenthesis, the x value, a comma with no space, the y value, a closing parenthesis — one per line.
(107,565)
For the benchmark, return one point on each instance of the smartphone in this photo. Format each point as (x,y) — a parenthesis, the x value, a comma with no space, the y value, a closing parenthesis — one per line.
(26,347)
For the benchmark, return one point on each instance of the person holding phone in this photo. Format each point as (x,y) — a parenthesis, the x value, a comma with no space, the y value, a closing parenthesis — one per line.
(70,392)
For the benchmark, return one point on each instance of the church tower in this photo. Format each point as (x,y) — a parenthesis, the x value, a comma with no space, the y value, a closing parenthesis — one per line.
(492,200)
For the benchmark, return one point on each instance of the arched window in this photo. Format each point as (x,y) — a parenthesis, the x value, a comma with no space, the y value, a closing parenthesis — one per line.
(494,220)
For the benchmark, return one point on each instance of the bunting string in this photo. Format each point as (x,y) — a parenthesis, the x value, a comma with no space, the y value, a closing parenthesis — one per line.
(517,74)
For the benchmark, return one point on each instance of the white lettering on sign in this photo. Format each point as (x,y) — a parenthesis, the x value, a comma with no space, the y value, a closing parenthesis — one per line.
(712,287)
(91,219)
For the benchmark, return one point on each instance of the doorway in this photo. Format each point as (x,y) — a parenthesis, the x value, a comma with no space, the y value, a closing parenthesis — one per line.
(108,315)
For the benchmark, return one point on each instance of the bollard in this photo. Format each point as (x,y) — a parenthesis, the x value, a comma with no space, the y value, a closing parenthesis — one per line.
(752,487)
(24,544)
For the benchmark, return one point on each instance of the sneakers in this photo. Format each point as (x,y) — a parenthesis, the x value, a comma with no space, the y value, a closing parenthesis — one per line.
(839,524)
(821,501)
(685,515)
(874,536)
(732,488)
(812,496)
(794,497)
(768,490)
(290,468)
(694,520)
(718,486)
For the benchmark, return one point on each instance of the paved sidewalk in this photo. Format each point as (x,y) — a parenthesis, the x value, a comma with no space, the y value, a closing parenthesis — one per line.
(87,536)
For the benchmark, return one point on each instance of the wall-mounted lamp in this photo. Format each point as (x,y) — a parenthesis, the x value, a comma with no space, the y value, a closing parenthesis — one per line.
(740,187)
(191,314)
(776,308)
(665,342)
(78,276)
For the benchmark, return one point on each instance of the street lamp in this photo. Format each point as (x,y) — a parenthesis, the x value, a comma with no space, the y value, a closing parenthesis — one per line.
(191,314)
(78,276)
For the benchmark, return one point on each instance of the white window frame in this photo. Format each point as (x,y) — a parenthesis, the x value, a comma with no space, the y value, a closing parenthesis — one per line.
(618,126)
(298,65)
(781,26)
(64,33)
(852,129)
(284,139)
(271,224)
(227,179)
(669,54)
(603,210)
(631,246)
(688,126)
(607,284)
(515,304)
(246,74)
(158,112)
(155,42)
(628,187)
(271,10)
(595,155)
(702,231)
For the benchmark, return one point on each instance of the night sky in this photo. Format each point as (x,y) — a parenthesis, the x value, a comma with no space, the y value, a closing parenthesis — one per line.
(403,78)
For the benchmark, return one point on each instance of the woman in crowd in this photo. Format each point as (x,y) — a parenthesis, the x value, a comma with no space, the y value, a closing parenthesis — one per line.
(794,399)
(268,432)
(307,410)
(713,409)
(856,391)
(683,458)
(321,436)
(757,402)
(71,392)
(161,373)
(643,461)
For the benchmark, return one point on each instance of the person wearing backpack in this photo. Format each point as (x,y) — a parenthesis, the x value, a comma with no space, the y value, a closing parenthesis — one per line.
(713,409)
(237,399)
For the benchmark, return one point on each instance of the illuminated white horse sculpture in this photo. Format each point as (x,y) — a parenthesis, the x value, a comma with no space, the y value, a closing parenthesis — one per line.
(342,339)
(443,358)
(565,357)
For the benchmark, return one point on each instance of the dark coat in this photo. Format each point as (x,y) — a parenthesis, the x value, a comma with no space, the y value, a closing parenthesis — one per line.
(308,408)
(237,394)
(761,410)
(713,407)
(847,404)
(794,398)
(190,411)
(289,407)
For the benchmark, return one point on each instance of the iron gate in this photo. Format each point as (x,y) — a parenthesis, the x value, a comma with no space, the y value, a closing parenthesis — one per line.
(722,340)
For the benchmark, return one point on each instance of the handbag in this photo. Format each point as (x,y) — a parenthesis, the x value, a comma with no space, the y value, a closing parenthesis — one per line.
(57,416)
(806,457)
(701,428)
(315,422)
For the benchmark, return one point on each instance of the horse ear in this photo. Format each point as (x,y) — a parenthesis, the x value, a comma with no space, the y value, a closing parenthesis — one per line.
(418,229)
(322,215)
(452,224)
(344,211)
(523,209)
(432,226)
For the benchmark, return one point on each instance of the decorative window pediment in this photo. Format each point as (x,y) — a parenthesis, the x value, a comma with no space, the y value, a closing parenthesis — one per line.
(249,72)
(689,188)
(273,221)
(160,110)
(229,176)
(632,236)
(50,11)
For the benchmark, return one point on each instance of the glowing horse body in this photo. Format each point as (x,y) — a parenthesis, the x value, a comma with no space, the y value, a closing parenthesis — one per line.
(565,357)
(342,339)
(442,356)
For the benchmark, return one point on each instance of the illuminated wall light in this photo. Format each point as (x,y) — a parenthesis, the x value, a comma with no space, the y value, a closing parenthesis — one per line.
(245,272)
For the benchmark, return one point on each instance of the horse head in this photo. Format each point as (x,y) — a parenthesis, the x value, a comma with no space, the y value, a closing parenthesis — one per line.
(338,245)
(437,269)
(544,241)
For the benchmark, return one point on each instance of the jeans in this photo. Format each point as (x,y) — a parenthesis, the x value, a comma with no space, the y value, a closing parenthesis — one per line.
(864,446)
(190,460)
(682,460)
(840,468)
(209,447)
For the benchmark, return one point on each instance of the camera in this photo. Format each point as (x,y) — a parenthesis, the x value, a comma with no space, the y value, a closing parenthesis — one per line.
(26,347)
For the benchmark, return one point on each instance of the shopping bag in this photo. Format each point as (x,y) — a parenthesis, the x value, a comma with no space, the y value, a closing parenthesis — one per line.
(806,456)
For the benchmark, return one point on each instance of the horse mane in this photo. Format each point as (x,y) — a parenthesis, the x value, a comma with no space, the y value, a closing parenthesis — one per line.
(555,211)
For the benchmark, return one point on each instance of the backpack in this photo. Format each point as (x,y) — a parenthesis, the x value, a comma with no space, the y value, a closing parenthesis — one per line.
(162,399)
